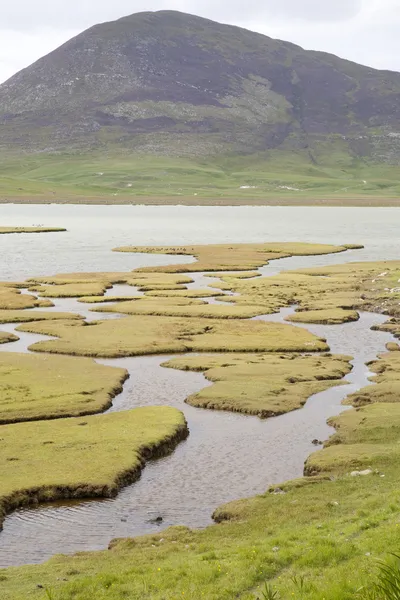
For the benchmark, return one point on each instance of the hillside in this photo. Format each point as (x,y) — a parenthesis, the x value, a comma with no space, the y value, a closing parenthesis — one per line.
(187,90)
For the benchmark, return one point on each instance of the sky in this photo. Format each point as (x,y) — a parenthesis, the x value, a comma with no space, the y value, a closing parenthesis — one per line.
(366,31)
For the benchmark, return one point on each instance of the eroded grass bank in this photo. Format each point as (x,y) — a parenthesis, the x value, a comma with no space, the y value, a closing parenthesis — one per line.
(39,461)
(320,530)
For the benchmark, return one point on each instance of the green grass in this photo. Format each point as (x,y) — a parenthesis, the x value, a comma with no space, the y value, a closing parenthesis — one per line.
(62,177)
(230,257)
(38,461)
(318,538)
(333,316)
(142,334)
(12,299)
(279,384)
(34,387)
(6,337)
(315,538)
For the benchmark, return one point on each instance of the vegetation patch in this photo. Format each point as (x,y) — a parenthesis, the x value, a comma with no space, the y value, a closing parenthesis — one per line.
(102,299)
(73,290)
(387,370)
(325,294)
(34,387)
(4,230)
(141,334)
(28,316)
(6,337)
(12,299)
(39,460)
(185,293)
(182,306)
(230,257)
(333,316)
(279,384)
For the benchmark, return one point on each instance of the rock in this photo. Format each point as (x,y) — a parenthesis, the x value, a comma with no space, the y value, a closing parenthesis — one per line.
(361,473)
(317,442)
(278,491)
(157,521)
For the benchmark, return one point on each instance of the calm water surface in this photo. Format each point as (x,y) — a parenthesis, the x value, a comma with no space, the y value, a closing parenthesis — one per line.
(226,456)
(94,230)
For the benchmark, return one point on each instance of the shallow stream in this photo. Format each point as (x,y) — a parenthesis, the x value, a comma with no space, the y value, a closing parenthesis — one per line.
(227,456)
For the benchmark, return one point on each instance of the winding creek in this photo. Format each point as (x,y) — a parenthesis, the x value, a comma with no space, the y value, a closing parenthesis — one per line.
(227,456)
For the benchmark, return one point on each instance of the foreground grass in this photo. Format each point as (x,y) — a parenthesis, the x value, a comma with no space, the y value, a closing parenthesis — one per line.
(138,335)
(34,387)
(38,461)
(279,384)
(313,538)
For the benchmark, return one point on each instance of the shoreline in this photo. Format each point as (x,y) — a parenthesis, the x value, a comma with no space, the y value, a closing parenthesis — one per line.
(351,202)
(53,493)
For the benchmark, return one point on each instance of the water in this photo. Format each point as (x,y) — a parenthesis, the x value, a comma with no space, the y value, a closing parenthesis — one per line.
(94,230)
(226,456)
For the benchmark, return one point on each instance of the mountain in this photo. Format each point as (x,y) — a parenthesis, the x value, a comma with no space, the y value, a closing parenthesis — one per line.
(169,84)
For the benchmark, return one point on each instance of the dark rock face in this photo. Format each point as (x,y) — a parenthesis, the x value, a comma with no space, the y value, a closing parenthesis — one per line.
(151,80)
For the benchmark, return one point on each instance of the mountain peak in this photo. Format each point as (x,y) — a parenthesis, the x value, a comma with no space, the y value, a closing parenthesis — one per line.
(166,82)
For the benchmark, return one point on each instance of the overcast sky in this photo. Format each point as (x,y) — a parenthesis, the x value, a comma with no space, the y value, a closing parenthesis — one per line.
(366,31)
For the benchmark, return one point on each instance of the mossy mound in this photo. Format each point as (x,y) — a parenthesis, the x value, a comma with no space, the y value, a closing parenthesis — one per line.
(12,299)
(34,387)
(138,335)
(38,461)
(182,306)
(334,316)
(72,290)
(29,316)
(279,384)
(230,257)
(6,338)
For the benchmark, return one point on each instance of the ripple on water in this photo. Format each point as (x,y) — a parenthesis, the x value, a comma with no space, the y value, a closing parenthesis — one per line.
(226,456)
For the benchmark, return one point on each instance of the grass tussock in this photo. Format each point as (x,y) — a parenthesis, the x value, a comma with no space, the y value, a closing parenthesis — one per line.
(34,387)
(334,316)
(72,290)
(30,316)
(138,335)
(230,257)
(279,384)
(6,337)
(12,299)
(38,461)
(325,294)
(182,306)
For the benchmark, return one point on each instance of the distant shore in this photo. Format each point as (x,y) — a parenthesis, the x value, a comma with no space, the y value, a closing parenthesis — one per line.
(361,201)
